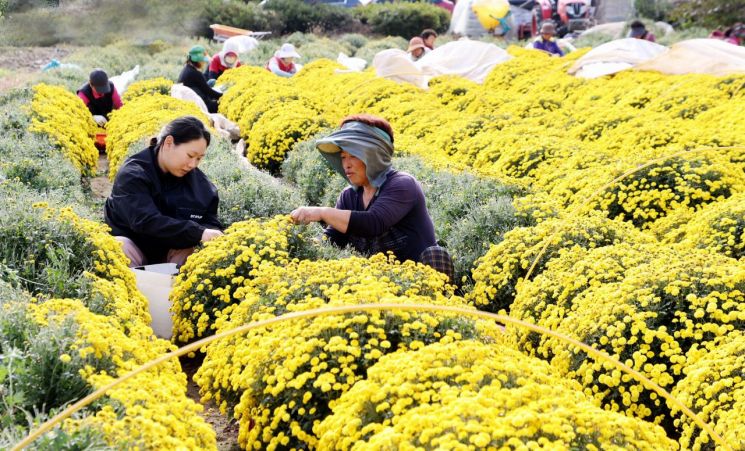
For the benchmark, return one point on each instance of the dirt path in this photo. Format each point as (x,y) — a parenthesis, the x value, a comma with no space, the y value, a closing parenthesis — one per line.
(225,428)
(100,184)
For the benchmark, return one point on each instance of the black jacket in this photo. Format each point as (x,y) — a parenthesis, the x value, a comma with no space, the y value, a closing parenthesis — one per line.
(101,106)
(192,78)
(159,211)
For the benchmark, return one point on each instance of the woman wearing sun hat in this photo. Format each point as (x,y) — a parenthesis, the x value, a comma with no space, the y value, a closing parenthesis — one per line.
(224,60)
(383,209)
(283,61)
(192,77)
(546,40)
(417,48)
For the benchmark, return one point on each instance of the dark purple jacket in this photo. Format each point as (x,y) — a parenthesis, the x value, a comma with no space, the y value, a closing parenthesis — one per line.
(396,219)
(548,46)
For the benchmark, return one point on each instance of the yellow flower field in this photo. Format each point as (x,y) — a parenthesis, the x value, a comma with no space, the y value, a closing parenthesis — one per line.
(635,190)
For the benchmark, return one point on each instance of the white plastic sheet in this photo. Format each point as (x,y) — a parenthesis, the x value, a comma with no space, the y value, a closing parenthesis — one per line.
(469,59)
(240,44)
(353,64)
(615,56)
(182,92)
(698,56)
(123,80)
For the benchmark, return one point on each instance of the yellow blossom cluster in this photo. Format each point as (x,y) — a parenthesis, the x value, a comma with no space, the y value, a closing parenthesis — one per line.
(112,279)
(279,381)
(160,85)
(143,118)
(149,411)
(560,134)
(643,304)
(64,118)
(719,227)
(207,282)
(272,115)
(504,266)
(469,395)
(714,386)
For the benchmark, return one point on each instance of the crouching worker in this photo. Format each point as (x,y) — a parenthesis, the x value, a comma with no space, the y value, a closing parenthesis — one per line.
(100,96)
(161,205)
(383,209)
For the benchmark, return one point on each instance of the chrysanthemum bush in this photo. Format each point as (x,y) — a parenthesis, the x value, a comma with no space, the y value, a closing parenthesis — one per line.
(35,380)
(471,395)
(277,132)
(272,115)
(279,381)
(719,227)
(207,283)
(149,411)
(57,253)
(684,182)
(64,118)
(643,305)
(714,387)
(160,85)
(245,191)
(498,273)
(142,118)
(73,345)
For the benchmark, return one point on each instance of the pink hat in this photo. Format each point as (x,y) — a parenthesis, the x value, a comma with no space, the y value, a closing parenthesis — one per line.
(416,43)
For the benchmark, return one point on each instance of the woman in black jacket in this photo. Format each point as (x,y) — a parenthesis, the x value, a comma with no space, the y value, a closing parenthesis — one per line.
(192,77)
(161,205)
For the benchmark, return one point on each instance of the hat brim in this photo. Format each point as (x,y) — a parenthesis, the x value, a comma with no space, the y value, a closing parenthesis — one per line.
(411,49)
(103,89)
(328,147)
(288,55)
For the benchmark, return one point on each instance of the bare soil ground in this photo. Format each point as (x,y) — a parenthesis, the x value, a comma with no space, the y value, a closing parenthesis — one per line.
(225,428)
(100,184)
(21,64)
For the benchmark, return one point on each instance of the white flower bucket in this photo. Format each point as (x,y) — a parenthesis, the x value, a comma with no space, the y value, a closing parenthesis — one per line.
(154,282)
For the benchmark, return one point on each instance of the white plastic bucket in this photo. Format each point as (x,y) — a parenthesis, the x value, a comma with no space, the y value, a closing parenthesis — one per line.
(154,282)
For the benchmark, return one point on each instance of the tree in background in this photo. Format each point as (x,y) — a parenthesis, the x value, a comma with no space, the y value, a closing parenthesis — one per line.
(653,9)
(708,13)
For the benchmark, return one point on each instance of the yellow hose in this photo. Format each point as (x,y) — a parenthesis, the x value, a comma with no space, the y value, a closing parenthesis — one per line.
(595,353)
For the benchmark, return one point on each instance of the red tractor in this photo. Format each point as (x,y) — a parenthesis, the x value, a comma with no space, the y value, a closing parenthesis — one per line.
(568,15)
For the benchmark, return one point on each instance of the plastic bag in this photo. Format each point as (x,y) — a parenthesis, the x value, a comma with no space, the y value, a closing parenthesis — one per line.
(491,13)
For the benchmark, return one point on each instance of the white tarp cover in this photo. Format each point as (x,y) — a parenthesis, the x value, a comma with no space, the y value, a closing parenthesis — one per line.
(240,44)
(464,21)
(615,56)
(123,80)
(182,92)
(352,64)
(468,59)
(698,56)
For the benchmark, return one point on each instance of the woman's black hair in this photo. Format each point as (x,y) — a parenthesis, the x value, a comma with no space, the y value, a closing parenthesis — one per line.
(184,129)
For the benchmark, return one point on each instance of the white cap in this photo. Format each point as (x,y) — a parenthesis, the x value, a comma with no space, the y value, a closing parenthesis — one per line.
(287,51)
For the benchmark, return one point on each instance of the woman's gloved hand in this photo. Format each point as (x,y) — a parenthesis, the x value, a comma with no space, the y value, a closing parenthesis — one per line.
(210,234)
(100,120)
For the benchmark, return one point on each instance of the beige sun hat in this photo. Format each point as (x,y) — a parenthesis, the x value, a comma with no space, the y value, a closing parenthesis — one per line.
(287,51)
